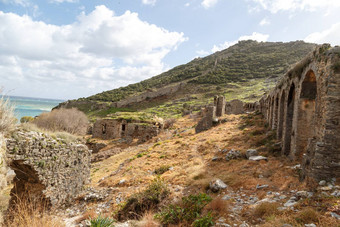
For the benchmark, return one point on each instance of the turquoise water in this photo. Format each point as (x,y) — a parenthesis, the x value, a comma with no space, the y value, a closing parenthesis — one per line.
(25,106)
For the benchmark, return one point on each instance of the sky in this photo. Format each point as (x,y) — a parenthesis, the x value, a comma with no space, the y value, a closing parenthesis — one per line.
(67,49)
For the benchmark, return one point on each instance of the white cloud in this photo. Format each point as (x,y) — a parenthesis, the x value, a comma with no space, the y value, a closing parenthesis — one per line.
(264,22)
(187,4)
(330,35)
(275,6)
(61,1)
(99,51)
(16,2)
(202,52)
(254,36)
(209,3)
(149,2)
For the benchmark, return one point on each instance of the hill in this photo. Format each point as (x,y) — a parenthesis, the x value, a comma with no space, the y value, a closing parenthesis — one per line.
(245,71)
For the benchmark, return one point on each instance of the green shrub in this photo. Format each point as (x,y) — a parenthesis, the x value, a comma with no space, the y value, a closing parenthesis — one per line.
(162,169)
(205,221)
(140,202)
(26,119)
(102,222)
(188,210)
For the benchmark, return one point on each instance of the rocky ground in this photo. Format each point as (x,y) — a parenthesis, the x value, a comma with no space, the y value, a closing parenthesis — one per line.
(237,163)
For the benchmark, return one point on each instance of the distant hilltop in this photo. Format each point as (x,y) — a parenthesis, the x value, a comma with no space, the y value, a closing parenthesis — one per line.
(244,71)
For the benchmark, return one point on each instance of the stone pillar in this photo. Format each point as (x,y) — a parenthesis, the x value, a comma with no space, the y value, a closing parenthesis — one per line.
(220,106)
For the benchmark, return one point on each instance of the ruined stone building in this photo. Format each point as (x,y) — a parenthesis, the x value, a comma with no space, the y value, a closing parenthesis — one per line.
(304,109)
(47,169)
(129,130)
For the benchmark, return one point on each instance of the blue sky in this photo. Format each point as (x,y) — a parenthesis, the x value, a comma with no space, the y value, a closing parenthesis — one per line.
(75,48)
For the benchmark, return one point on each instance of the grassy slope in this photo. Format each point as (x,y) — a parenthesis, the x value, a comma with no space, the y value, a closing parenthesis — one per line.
(190,156)
(245,71)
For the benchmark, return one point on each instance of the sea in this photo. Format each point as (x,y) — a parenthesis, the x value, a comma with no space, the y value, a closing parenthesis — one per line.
(26,106)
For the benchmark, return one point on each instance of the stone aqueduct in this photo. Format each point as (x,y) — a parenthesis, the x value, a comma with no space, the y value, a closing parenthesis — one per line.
(304,110)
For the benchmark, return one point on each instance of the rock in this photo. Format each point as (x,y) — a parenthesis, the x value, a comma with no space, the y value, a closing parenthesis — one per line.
(304,194)
(322,183)
(336,193)
(122,181)
(258,158)
(214,159)
(251,152)
(262,186)
(226,197)
(310,225)
(286,225)
(233,154)
(335,215)
(326,188)
(291,202)
(217,185)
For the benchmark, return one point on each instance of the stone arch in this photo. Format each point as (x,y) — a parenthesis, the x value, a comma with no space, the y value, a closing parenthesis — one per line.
(27,186)
(276,113)
(289,120)
(281,116)
(306,113)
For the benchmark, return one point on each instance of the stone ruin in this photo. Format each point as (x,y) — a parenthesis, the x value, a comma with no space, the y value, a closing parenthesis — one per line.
(220,107)
(128,130)
(47,169)
(304,110)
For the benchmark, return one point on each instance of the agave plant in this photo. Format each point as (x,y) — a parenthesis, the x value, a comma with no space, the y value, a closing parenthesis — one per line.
(102,222)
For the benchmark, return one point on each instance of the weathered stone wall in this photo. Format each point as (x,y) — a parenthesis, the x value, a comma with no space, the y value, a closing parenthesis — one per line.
(220,103)
(208,117)
(48,169)
(304,109)
(3,169)
(148,95)
(113,129)
(234,107)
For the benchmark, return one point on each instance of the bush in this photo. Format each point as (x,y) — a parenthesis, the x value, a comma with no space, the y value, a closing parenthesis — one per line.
(189,210)
(143,201)
(205,221)
(102,222)
(162,169)
(69,120)
(7,119)
(307,215)
(26,119)
(266,210)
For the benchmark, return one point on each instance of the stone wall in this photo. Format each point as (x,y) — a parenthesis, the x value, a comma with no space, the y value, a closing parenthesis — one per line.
(304,109)
(113,129)
(234,107)
(47,169)
(3,169)
(208,118)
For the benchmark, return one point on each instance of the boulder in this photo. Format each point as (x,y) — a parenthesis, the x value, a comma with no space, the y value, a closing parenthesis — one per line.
(217,185)
(251,152)
(258,158)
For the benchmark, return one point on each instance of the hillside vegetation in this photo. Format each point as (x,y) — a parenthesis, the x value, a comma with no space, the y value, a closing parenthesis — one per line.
(245,70)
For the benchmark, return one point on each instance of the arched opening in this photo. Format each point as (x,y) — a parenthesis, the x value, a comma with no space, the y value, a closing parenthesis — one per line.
(281,114)
(289,120)
(276,113)
(306,113)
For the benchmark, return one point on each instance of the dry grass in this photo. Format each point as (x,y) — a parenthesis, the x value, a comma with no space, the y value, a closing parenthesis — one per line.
(219,206)
(148,220)
(7,119)
(265,210)
(190,156)
(31,214)
(69,120)
(67,137)
(307,215)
